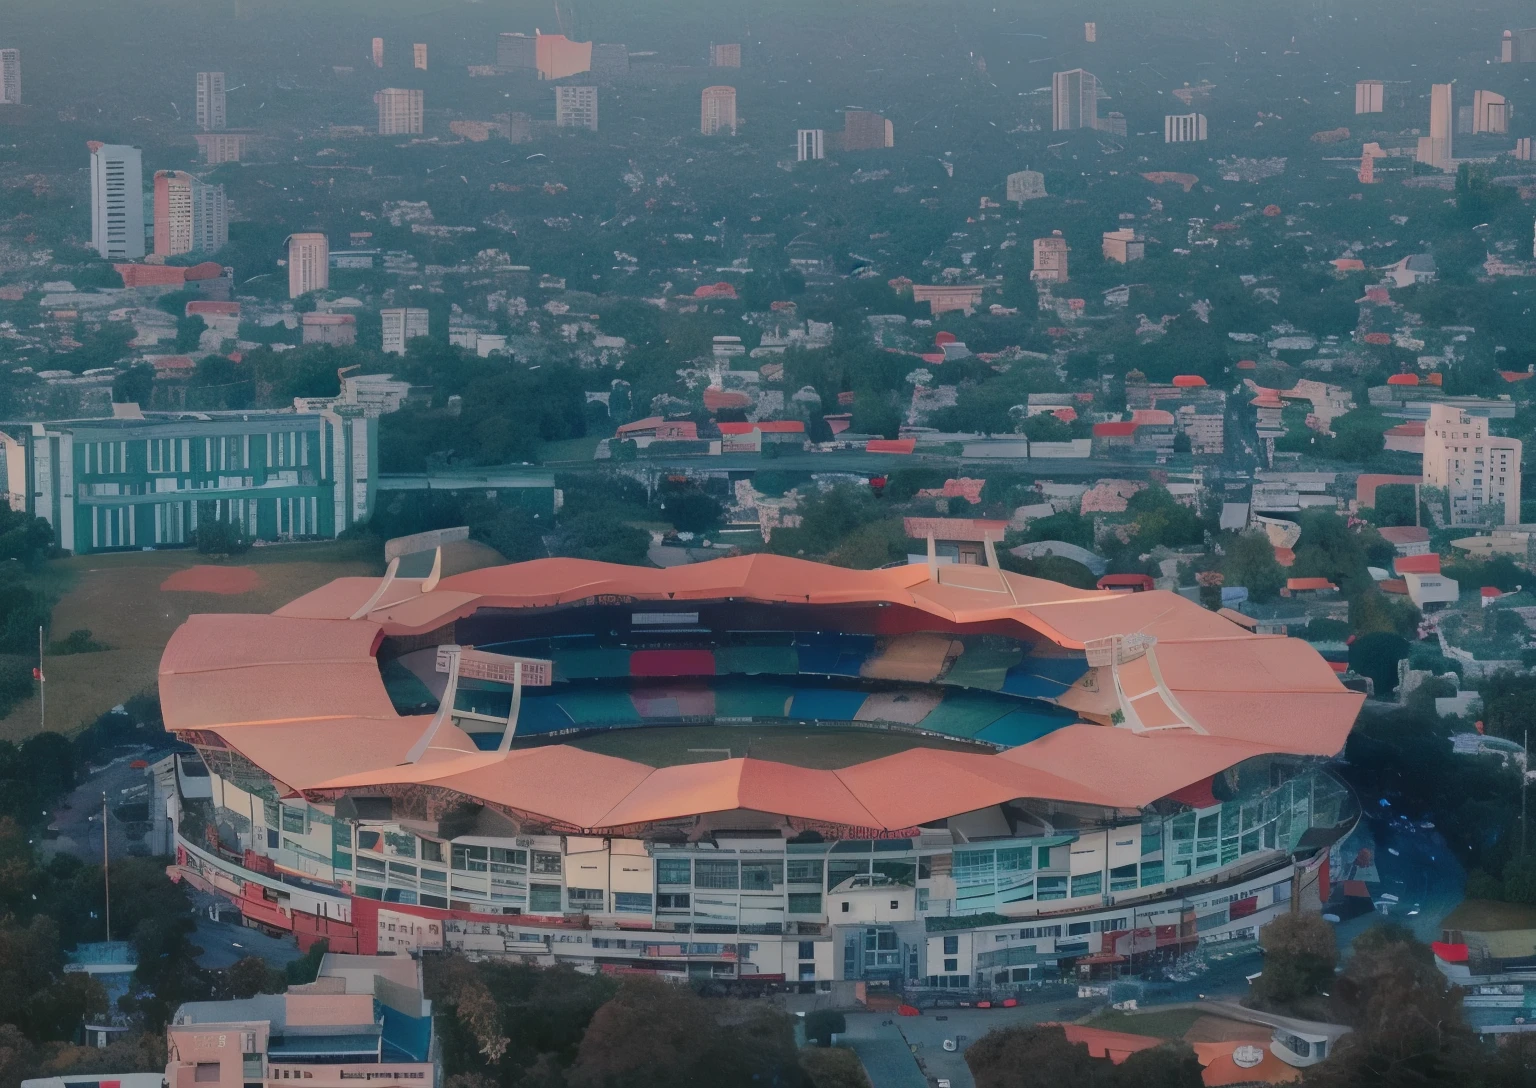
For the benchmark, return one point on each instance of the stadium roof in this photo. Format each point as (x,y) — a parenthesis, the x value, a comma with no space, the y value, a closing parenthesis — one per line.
(300,695)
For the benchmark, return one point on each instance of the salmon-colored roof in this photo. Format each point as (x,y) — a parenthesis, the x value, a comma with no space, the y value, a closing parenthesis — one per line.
(1309,583)
(1428,563)
(767,426)
(1114,1045)
(299,694)
(968,529)
(1221,1067)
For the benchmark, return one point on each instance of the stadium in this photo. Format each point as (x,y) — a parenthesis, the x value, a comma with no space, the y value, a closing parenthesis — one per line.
(758,770)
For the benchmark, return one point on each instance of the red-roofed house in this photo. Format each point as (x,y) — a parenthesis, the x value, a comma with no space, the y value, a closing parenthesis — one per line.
(654,427)
(962,488)
(716,398)
(1308,585)
(1513,376)
(960,540)
(1408,437)
(750,437)
(167,275)
(1424,563)
(890,445)
(1188,381)
(171,366)
(1367,483)
(1117,435)
(1380,339)
(1403,379)
(1348,264)
(715,290)
(1407,539)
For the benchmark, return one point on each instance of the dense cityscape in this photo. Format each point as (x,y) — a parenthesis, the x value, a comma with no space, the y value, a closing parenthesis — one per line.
(990,555)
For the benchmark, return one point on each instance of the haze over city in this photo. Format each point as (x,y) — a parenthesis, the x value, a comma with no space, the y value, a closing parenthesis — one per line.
(865,545)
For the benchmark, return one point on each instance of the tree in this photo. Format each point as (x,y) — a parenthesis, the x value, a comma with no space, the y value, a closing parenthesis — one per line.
(250,975)
(23,538)
(692,511)
(1029,1057)
(1376,655)
(1250,562)
(822,1024)
(135,385)
(189,332)
(833,1067)
(872,545)
(604,538)
(216,536)
(515,533)
(1157,1067)
(1299,957)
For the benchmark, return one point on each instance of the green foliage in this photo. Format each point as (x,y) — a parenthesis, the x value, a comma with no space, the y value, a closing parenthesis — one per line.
(603,537)
(873,544)
(1394,506)
(822,1024)
(692,511)
(1068,526)
(1053,568)
(826,519)
(220,537)
(1250,562)
(515,533)
(1499,571)
(189,331)
(1372,611)
(306,968)
(134,386)
(23,538)
(78,641)
(1029,1057)
(1299,957)
(833,1067)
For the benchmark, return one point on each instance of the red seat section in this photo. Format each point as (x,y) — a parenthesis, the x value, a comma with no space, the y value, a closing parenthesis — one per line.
(672,663)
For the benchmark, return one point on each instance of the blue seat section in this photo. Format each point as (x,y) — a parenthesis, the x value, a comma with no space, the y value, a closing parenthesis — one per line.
(827,704)
(1064,670)
(833,654)
(1019,682)
(541,715)
(596,706)
(965,713)
(1023,726)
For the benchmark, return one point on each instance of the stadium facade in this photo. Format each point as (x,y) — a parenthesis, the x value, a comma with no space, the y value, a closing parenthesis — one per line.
(1074,783)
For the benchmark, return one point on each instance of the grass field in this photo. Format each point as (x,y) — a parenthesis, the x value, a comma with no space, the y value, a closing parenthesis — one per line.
(117,596)
(1490,916)
(825,748)
(1170,1024)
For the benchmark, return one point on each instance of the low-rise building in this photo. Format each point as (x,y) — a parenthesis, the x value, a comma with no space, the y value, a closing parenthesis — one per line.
(338,330)
(956,540)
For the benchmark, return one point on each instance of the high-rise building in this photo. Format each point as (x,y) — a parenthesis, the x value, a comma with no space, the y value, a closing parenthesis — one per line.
(516,53)
(10,77)
(810,143)
(717,110)
(1436,148)
(218,147)
(1369,96)
(865,130)
(1074,100)
(401,326)
(419,55)
(610,61)
(1523,149)
(309,264)
(400,111)
(1090,32)
(725,56)
(1026,185)
(210,101)
(117,201)
(1183,128)
(1518,46)
(1050,259)
(1490,113)
(1479,472)
(378,52)
(576,107)
(173,212)
(210,218)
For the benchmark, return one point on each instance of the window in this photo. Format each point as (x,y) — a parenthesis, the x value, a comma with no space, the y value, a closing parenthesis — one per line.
(951,946)
(674,901)
(632,902)
(1122,878)
(845,906)
(507,861)
(709,873)
(431,851)
(1051,887)
(470,859)
(1087,884)
(206,1072)
(803,872)
(761,876)
(895,904)
(544,898)
(805,903)
(951,966)
(369,840)
(1075,929)
(843,869)
(546,863)
(586,898)
(293,820)
(807,950)
(1044,857)
(1151,873)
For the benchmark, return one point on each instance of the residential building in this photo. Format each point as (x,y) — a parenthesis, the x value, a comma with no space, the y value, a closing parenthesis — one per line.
(955,540)
(378,52)
(336,330)
(173,212)
(104,484)
(1518,46)
(1369,96)
(1090,32)
(1183,128)
(401,326)
(717,111)
(1523,149)
(1074,100)
(1436,149)
(1490,113)
(1123,245)
(810,143)
(942,298)
(1050,259)
(363,1019)
(1479,472)
(309,264)
(400,111)
(189,215)
(10,77)
(1113,125)
(725,56)
(1025,185)
(117,201)
(864,130)
(221,147)
(419,55)
(1412,269)
(576,107)
(210,101)
(516,53)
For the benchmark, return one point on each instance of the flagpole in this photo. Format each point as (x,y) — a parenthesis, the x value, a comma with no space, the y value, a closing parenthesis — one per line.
(42,685)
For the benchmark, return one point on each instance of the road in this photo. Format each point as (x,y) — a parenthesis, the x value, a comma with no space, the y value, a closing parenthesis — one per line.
(223,943)
(857,462)
(79,818)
